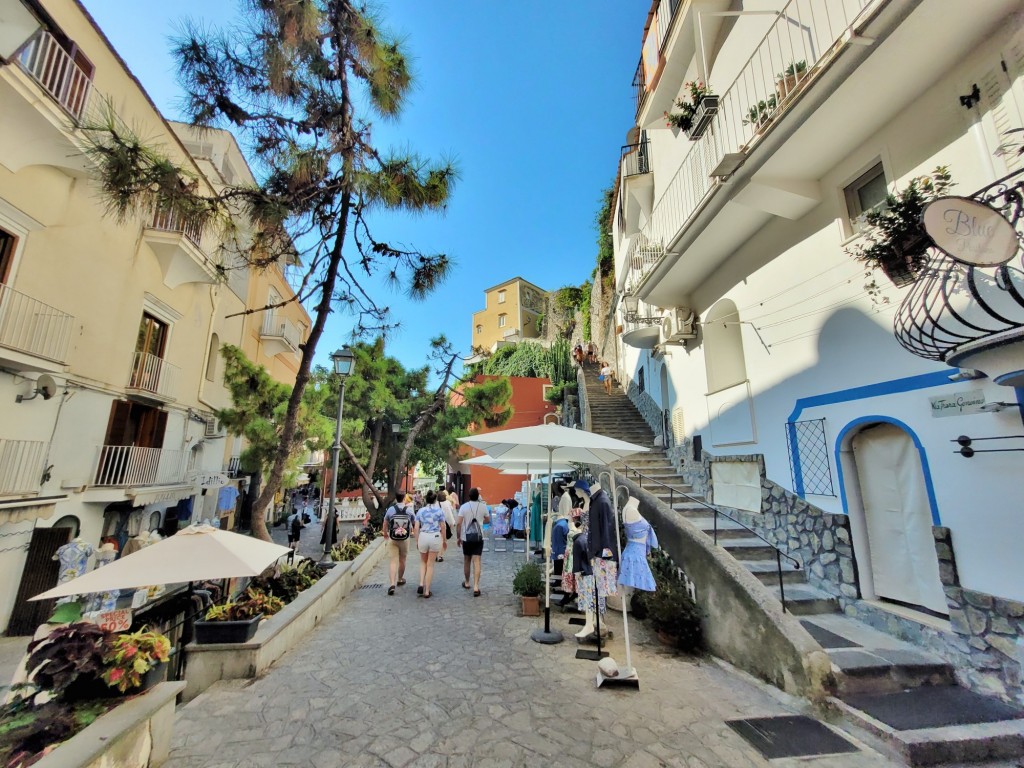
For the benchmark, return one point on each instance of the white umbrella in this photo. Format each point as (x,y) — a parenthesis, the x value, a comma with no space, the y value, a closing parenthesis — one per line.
(196,553)
(552,441)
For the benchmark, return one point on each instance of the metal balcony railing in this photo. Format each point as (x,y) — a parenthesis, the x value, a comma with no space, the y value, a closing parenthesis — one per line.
(154,374)
(233,467)
(635,159)
(169,221)
(133,466)
(665,15)
(277,327)
(641,257)
(806,35)
(55,70)
(21,466)
(30,326)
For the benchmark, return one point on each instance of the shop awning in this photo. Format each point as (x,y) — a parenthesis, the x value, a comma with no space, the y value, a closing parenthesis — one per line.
(140,497)
(36,508)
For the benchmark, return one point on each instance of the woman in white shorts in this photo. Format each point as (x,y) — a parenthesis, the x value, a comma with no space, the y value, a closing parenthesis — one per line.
(428,532)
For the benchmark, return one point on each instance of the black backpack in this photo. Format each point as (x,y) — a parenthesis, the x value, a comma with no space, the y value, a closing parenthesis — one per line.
(400,524)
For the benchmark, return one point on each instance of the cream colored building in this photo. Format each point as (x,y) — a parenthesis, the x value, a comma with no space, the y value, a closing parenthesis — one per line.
(512,312)
(109,331)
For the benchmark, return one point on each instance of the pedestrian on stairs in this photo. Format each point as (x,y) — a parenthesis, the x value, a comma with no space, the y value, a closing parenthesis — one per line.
(606,377)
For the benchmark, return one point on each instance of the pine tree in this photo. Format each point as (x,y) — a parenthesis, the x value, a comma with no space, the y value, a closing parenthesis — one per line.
(287,80)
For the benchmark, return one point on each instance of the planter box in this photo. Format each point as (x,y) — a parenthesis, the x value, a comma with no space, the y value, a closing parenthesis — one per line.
(531,606)
(87,690)
(706,110)
(137,734)
(227,631)
(206,664)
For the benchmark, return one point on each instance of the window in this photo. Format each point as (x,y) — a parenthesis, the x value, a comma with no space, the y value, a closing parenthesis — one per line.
(723,347)
(479,328)
(69,521)
(501,297)
(501,320)
(149,352)
(866,193)
(7,241)
(211,360)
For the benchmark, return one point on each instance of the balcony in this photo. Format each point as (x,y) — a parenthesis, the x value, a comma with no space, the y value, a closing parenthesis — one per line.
(56,71)
(44,97)
(636,193)
(177,244)
(233,468)
(21,467)
(280,336)
(131,466)
(33,336)
(153,379)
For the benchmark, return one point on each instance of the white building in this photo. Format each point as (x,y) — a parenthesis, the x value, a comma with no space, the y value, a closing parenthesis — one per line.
(749,329)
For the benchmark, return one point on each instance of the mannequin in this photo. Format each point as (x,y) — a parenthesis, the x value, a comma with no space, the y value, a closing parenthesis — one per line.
(73,557)
(104,601)
(640,540)
(591,583)
(568,572)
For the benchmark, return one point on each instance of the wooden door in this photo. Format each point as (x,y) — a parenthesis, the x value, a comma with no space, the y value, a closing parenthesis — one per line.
(39,575)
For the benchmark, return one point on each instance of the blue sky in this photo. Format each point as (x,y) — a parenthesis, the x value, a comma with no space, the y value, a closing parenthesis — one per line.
(533,100)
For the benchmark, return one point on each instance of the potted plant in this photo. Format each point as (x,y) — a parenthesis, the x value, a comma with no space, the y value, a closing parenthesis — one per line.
(894,239)
(231,622)
(758,114)
(675,617)
(68,663)
(528,583)
(135,660)
(695,113)
(785,81)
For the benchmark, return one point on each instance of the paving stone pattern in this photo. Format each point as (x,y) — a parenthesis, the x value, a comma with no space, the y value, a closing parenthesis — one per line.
(456,681)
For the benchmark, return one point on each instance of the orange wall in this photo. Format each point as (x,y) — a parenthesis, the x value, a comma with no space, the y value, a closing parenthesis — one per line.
(530,410)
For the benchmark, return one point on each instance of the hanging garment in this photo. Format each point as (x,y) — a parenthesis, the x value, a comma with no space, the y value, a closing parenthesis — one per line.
(536,519)
(73,557)
(103,601)
(606,573)
(226,498)
(568,575)
(519,518)
(634,570)
(585,587)
(499,521)
(602,527)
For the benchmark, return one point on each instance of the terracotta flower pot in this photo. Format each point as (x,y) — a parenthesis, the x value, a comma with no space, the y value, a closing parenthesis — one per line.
(531,605)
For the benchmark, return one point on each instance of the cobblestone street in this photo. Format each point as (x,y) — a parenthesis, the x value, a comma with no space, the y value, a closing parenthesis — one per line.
(456,681)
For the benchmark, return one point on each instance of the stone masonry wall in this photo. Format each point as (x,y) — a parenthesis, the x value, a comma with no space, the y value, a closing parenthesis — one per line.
(645,404)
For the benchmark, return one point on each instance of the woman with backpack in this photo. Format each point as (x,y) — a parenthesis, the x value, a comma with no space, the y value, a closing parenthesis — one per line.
(398,524)
(428,532)
(472,516)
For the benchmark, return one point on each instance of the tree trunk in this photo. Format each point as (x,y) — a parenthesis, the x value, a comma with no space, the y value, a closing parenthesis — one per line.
(248,502)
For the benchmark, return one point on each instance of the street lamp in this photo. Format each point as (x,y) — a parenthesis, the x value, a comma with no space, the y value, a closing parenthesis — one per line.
(344,364)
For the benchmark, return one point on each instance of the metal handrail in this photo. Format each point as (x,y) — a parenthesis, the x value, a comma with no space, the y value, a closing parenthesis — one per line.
(779,554)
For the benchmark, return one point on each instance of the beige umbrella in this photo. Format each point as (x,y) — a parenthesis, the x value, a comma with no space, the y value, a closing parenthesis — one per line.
(196,553)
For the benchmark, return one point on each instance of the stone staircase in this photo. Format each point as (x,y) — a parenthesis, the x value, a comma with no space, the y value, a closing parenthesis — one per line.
(906,696)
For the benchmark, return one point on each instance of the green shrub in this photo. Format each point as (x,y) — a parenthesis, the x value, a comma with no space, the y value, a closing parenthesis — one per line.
(670,608)
(528,580)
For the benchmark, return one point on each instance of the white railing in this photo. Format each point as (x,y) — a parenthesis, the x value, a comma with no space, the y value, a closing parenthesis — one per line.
(806,34)
(31,326)
(153,374)
(169,221)
(277,327)
(234,466)
(21,466)
(641,256)
(55,70)
(133,466)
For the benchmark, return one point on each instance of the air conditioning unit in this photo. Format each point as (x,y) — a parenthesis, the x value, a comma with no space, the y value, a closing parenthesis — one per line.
(677,325)
(211,427)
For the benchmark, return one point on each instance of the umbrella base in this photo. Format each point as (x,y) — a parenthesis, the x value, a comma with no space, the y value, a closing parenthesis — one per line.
(546,638)
(627,678)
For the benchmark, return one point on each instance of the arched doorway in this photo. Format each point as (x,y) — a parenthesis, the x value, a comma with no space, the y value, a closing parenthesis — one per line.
(892,509)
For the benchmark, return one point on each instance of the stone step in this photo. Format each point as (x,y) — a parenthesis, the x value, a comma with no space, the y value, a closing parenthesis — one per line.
(768,573)
(749,548)
(939,725)
(805,600)
(727,529)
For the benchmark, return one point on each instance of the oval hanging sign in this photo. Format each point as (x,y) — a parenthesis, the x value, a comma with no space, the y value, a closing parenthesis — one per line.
(970,231)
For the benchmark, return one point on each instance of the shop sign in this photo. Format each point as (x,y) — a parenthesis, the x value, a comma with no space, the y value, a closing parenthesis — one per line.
(958,404)
(115,621)
(209,479)
(970,231)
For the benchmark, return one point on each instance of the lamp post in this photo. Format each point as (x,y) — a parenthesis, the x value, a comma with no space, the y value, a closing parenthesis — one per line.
(344,364)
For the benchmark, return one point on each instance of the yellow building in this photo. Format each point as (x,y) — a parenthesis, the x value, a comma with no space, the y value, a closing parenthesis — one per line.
(512,312)
(109,331)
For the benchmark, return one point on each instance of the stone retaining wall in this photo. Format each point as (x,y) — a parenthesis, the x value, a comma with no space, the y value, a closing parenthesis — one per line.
(644,403)
(136,734)
(743,622)
(206,664)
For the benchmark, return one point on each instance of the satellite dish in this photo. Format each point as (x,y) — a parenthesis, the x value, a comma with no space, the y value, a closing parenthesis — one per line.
(46,386)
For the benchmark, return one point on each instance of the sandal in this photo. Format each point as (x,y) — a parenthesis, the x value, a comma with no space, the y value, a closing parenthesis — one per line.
(427,594)
(419,590)
(476,593)
(391,590)
(401,582)
(438,559)
(465,585)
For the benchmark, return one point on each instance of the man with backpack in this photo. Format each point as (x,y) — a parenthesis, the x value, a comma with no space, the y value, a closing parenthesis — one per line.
(295,526)
(397,529)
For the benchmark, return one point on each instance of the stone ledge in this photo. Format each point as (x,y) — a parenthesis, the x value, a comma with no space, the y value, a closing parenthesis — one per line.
(136,734)
(206,664)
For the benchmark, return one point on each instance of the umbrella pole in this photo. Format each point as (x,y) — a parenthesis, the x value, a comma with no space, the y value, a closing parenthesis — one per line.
(546,636)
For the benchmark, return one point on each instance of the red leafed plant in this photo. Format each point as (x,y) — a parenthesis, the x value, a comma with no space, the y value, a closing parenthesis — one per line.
(130,656)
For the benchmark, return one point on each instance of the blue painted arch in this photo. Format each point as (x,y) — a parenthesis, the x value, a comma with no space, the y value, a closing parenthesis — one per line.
(862,421)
